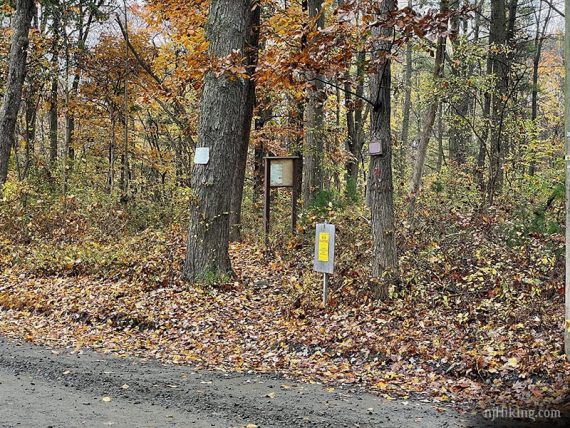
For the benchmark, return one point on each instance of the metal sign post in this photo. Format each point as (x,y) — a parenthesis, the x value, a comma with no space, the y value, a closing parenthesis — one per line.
(324,254)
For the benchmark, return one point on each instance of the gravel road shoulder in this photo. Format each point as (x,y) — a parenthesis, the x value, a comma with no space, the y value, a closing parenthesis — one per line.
(41,387)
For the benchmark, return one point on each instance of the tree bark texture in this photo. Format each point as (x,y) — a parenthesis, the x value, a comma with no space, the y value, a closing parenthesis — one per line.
(252,44)
(380,184)
(21,24)
(223,111)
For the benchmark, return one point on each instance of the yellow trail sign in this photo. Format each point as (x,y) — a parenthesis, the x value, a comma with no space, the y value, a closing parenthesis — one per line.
(324,246)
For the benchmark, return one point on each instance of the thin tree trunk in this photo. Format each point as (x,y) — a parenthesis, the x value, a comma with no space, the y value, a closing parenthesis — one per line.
(21,24)
(125,177)
(355,126)
(429,120)
(482,152)
(112,147)
(380,184)
(259,152)
(85,20)
(406,110)
(502,33)
(314,122)
(538,41)
(440,154)
(53,98)
(459,131)
(32,102)
(222,115)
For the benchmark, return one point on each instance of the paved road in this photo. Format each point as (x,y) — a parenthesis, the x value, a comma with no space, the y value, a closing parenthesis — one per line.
(41,387)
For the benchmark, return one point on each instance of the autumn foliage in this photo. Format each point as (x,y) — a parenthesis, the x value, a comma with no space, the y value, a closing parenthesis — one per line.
(92,242)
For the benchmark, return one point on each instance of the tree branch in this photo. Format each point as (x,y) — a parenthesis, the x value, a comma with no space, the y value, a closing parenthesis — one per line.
(554,8)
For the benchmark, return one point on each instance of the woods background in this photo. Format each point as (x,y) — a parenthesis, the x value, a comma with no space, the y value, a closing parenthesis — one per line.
(455,225)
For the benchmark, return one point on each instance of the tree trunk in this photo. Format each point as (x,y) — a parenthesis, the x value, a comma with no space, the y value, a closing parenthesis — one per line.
(501,32)
(380,185)
(21,24)
(32,102)
(314,122)
(252,44)
(223,111)
(53,98)
(459,131)
(126,170)
(440,154)
(258,166)
(482,152)
(355,126)
(498,29)
(406,110)
(85,17)
(538,41)
(112,147)
(429,120)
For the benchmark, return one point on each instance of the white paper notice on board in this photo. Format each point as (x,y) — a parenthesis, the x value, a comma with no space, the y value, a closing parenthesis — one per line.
(276,174)
(202,156)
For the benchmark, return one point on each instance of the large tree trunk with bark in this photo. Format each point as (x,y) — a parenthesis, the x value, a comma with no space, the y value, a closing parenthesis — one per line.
(429,121)
(252,45)
(21,24)
(223,112)
(314,121)
(380,184)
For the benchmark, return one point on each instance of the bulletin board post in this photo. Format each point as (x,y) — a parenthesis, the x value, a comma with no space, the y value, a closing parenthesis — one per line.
(285,172)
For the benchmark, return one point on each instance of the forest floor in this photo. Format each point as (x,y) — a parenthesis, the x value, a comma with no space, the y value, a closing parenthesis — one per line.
(479,325)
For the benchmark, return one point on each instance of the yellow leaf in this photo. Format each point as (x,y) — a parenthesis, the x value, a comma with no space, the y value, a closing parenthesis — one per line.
(382,385)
